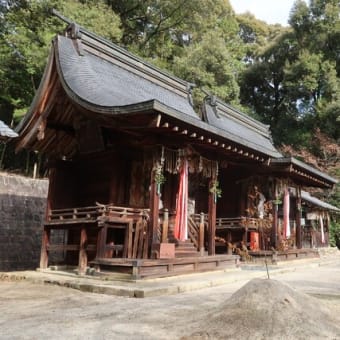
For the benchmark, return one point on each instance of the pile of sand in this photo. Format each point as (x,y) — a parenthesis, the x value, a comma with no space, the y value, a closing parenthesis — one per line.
(269,309)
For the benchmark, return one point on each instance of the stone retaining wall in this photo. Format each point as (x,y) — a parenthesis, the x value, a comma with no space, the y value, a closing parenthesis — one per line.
(23,204)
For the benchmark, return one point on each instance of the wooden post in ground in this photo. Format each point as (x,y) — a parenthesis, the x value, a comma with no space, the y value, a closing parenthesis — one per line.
(44,248)
(211,219)
(298,229)
(82,252)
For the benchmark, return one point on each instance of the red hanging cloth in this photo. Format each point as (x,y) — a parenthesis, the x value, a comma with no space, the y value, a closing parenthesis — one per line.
(181,221)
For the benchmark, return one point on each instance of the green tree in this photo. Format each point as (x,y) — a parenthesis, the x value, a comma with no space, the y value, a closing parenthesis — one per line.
(213,58)
(27,28)
(197,40)
(293,82)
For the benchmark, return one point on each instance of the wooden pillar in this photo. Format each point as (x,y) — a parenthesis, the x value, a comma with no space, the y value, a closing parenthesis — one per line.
(154,211)
(165,226)
(44,248)
(298,230)
(275,210)
(51,190)
(211,220)
(101,241)
(245,236)
(46,231)
(201,234)
(82,252)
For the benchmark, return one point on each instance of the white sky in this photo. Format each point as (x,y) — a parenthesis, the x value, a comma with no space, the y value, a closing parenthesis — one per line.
(271,11)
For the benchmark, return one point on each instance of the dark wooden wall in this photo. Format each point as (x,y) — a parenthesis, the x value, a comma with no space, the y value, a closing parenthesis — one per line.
(231,203)
(115,177)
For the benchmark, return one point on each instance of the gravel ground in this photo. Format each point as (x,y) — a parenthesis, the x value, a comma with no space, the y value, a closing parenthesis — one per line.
(33,311)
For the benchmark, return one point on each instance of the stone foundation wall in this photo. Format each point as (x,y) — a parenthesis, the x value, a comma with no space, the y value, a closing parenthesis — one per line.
(22,212)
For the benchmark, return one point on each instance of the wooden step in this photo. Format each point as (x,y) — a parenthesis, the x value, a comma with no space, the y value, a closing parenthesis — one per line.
(185,249)
(187,254)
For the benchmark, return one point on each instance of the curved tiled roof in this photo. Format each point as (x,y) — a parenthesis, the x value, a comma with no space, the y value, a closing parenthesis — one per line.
(306,196)
(99,74)
(104,81)
(242,128)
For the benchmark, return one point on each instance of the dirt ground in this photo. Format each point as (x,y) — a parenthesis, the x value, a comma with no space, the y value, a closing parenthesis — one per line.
(34,311)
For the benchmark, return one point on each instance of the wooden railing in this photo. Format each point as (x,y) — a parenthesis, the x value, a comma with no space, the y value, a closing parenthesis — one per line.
(242,222)
(72,215)
(193,232)
(94,213)
(197,223)
(115,211)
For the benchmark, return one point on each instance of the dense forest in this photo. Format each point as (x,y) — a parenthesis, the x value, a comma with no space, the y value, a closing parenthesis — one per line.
(287,77)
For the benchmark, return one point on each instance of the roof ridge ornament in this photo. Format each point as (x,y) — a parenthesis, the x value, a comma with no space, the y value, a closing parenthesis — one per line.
(190,87)
(73,29)
(211,100)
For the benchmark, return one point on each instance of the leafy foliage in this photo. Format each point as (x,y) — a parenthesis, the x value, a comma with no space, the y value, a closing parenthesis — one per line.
(26,31)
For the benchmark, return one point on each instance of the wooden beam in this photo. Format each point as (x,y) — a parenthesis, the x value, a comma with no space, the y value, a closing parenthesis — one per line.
(61,127)
(158,120)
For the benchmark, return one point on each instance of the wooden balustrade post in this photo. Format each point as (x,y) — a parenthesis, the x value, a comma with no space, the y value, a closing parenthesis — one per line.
(201,234)
(165,226)
(82,252)
(44,248)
